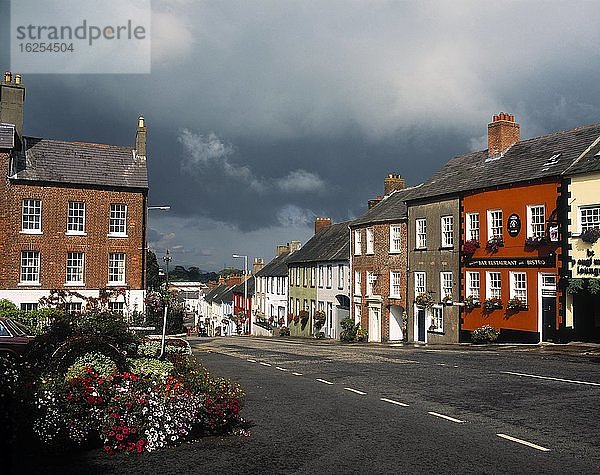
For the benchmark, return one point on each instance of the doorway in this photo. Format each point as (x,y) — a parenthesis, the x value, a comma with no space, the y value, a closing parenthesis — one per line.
(374,324)
(547,304)
(396,313)
(421,324)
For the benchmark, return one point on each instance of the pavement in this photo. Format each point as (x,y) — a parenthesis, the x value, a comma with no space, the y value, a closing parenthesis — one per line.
(575,348)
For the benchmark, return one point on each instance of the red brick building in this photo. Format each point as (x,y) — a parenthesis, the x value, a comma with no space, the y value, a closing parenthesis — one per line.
(72,214)
(378,264)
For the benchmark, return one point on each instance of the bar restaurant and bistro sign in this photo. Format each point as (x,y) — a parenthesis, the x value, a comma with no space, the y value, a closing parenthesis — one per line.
(522,262)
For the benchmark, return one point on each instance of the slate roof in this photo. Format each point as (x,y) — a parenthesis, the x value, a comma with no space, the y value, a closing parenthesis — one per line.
(80,163)
(213,293)
(239,289)
(588,163)
(529,159)
(277,267)
(390,208)
(329,244)
(224,294)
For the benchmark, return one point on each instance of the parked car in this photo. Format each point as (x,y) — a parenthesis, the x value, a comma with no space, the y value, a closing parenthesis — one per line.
(14,337)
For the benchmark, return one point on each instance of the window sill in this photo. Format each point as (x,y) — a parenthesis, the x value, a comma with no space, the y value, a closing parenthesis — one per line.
(29,284)
(75,233)
(31,232)
(420,249)
(114,235)
(395,252)
(74,284)
(436,332)
(116,284)
(446,248)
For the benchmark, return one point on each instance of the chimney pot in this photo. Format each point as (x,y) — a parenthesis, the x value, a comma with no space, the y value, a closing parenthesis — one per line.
(7,77)
(17,79)
(503,132)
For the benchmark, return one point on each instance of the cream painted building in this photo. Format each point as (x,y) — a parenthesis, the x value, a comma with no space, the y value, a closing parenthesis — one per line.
(582,304)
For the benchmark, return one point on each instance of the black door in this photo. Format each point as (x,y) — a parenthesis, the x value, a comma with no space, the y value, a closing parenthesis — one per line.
(421,324)
(548,318)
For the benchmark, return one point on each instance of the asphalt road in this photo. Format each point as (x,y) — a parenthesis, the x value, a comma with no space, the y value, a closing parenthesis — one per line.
(318,407)
(323,408)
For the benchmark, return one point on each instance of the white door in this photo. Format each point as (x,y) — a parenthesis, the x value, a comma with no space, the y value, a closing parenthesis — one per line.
(374,324)
(395,323)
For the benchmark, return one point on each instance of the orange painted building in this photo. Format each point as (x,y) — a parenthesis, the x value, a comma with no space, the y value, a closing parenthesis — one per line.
(510,280)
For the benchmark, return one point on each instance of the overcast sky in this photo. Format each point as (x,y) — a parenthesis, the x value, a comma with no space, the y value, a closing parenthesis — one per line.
(264,114)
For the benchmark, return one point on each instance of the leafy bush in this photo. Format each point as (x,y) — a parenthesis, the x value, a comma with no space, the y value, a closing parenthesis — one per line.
(284,331)
(151,367)
(485,334)
(98,362)
(352,331)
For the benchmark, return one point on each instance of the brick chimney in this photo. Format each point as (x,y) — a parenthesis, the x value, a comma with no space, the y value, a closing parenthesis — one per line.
(259,263)
(282,249)
(373,202)
(392,183)
(321,223)
(12,100)
(140,138)
(503,132)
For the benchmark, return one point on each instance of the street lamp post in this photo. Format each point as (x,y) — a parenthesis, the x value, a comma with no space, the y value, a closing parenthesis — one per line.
(167,258)
(245,288)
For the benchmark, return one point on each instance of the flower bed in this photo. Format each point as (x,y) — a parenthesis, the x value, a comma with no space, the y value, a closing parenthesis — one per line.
(139,404)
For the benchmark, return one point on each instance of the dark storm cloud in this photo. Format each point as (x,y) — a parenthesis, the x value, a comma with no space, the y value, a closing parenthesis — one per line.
(262,115)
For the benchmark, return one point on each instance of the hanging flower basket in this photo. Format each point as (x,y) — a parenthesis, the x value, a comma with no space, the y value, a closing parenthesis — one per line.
(590,235)
(469,247)
(495,243)
(319,318)
(424,300)
(489,305)
(448,300)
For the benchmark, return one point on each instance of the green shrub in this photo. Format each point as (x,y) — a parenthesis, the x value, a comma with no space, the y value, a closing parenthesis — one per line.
(485,334)
(98,362)
(151,367)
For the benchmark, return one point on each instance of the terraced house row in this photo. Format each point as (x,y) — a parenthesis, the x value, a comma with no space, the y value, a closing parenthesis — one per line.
(506,236)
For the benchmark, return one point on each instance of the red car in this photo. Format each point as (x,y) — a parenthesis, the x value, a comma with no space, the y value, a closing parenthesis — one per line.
(14,337)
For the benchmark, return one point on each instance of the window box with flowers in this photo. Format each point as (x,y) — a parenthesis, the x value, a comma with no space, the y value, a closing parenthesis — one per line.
(424,300)
(469,247)
(448,300)
(489,305)
(515,305)
(535,242)
(495,243)
(471,302)
(590,236)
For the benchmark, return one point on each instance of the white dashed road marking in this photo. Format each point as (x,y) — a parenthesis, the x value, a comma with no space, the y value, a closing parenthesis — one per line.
(264,364)
(280,368)
(251,361)
(391,401)
(297,374)
(448,418)
(589,383)
(355,391)
(524,442)
(324,381)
